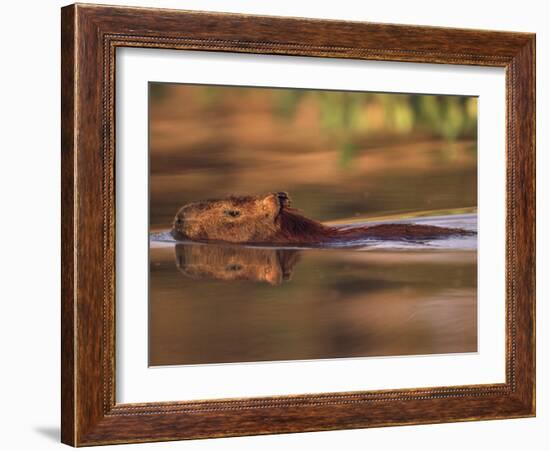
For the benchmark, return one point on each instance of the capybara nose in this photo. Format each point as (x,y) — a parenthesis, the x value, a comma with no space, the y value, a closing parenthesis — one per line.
(177,227)
(282,195)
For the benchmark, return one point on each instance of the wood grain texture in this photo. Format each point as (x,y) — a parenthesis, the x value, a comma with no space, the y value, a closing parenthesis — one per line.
(90,36)
(68,400)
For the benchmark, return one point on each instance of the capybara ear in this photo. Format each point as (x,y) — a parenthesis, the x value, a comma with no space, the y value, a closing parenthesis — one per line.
(284,198)
(275,201)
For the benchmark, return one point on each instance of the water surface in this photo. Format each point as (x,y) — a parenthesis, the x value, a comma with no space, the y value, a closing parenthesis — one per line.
(215,303)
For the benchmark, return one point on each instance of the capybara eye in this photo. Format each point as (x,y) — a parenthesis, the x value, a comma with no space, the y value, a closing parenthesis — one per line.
(234,267)
(232,213)
(179,221)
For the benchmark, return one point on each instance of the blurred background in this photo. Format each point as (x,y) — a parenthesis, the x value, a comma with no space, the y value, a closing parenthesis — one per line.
(339,154)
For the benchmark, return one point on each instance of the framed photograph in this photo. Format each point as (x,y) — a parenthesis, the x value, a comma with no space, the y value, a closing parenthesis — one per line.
(279,225)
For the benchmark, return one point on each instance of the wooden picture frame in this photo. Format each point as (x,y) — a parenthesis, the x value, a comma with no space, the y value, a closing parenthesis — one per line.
(90,36)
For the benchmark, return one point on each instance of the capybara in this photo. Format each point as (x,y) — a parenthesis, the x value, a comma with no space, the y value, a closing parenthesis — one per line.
(270,220)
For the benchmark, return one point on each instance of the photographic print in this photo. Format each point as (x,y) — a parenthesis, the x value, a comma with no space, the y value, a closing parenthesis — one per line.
(295,224)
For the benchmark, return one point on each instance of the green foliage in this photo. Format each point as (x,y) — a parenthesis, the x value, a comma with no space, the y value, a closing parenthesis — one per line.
(448,117)
(287,101)
(347,151)
(157,91)
(343,115)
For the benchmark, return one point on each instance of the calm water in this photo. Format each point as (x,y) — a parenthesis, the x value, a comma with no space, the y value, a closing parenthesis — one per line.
(224,303)
(214,304)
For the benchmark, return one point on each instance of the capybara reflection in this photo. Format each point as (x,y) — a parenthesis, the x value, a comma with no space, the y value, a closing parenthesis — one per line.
(226,262)
(270,220)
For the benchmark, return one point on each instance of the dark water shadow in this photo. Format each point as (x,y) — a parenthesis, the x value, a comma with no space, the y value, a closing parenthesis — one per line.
(232,263)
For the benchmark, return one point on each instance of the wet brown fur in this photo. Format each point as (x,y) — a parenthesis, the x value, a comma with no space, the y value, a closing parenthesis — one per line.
(270,220)
(296,228)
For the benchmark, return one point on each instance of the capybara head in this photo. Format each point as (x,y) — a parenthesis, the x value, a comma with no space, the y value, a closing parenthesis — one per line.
(233,219)
(233,263)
